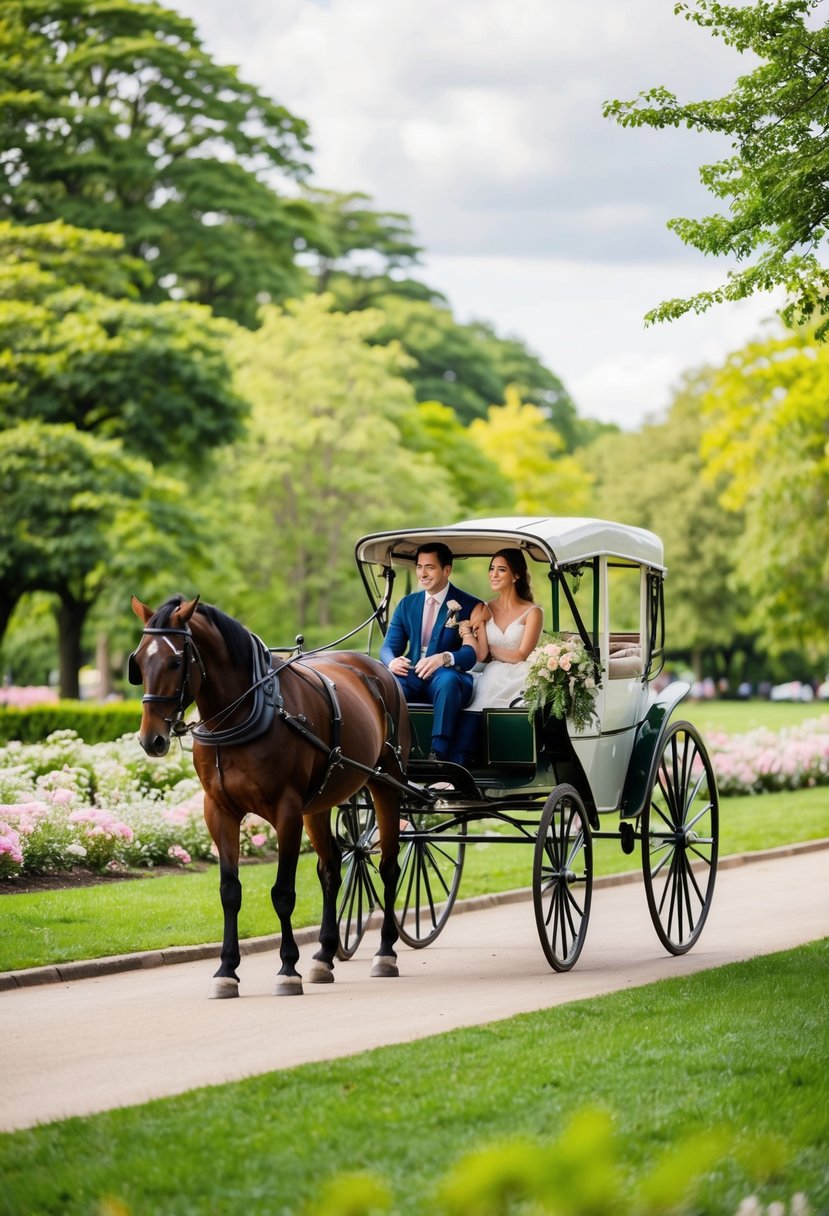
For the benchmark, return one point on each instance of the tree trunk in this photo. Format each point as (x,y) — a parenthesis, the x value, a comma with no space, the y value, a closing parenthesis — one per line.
(71,616)
(696,663)
(104,666)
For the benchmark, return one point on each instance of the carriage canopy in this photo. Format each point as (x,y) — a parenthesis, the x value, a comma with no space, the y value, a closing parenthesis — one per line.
(559,540)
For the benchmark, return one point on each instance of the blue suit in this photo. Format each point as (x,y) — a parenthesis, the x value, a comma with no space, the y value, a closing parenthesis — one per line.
(450,688)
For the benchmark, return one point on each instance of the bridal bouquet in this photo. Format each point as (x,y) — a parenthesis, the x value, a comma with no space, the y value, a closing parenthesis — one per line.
(562,680)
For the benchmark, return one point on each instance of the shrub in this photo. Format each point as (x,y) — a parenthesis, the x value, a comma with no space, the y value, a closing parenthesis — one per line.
(93,722)
(65,803)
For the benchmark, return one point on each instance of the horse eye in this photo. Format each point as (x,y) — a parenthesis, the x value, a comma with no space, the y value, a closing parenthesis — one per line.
(174,665)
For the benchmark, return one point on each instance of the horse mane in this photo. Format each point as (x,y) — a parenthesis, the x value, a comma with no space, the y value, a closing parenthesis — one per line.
(235,636)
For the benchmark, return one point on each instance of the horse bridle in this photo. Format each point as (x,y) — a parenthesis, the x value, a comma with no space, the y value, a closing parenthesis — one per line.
(190,655)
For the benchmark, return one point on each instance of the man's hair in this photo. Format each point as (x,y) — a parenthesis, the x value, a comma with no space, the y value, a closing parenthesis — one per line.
(442,552)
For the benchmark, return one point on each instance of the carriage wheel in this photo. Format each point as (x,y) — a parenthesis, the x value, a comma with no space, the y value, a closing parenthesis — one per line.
(563,877)
(680,837)
(354,829)
(430,874)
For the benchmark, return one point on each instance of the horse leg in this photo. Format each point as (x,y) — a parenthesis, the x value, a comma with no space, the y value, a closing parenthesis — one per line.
(329,861)
(283,897)
(225,833)
(387,808)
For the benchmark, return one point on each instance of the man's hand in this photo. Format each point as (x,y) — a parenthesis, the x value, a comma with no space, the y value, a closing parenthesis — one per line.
(427,666)
(400,666)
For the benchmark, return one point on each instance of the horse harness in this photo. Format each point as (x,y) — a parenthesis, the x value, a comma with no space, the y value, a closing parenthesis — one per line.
(267,701)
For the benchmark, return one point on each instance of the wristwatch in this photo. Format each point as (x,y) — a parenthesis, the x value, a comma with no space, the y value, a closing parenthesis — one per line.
(447,658)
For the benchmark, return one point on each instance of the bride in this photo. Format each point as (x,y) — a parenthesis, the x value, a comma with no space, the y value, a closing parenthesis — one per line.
(505,631)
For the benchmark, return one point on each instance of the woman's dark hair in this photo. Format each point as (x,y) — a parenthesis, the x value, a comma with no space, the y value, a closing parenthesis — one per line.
(518,565)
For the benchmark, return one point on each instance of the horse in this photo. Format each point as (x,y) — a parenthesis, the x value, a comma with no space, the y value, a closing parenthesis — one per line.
(285,740)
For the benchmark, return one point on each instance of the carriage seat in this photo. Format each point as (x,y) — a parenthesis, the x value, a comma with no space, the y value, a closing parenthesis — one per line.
(500,738)
(625,659)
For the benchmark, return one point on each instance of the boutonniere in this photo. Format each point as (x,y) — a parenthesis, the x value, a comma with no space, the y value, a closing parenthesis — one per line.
(452,619)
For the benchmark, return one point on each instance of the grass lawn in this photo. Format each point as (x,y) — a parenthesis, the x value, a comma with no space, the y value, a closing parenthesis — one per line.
(184,909)
(727,1068)
(738,717)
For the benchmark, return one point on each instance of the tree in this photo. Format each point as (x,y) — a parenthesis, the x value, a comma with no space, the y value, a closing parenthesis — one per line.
(777,117)
(517,365)
(529,453)
(475,477)
(155,376)
(468,367)
(78,513)
(354,242)
(654,478)
(112,116)
(130,377)
(323,463)
(766,442)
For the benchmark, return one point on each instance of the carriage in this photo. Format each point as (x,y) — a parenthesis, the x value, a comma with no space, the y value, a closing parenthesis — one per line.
(548,782)
(323,739)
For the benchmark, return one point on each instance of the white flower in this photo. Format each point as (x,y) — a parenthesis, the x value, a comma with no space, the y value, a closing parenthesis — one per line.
(452,619)
(77,850)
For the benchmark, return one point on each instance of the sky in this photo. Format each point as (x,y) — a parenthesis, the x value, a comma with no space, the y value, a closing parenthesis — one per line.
(482,121)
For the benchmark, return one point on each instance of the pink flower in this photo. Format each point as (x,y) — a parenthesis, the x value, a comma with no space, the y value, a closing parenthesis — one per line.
(565,662)
(552,662)
(177,853)
(258,839)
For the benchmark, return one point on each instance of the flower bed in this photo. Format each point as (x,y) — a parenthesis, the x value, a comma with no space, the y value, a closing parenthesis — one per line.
(107,806)
(765,760)
(104,806)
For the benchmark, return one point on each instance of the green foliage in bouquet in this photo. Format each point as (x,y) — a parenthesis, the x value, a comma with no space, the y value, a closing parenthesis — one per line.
(562,680)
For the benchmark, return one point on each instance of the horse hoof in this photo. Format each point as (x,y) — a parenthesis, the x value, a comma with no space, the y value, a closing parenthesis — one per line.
(222,987)
(288,985)
(321,972)
(384,966)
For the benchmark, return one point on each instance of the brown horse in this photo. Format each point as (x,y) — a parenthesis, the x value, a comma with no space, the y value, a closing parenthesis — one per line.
(286,741)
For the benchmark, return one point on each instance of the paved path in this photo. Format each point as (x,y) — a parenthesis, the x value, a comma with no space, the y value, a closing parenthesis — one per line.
(73,1048)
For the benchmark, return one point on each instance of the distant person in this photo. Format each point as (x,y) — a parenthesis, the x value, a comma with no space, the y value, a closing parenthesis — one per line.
(424,649)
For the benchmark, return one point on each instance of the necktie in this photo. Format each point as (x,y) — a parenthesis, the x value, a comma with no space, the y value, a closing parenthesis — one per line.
(429,614)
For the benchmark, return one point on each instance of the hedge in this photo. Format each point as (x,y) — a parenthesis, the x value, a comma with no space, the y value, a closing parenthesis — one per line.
(95,723)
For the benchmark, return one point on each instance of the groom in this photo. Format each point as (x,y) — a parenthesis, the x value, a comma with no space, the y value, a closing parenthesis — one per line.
(423,646)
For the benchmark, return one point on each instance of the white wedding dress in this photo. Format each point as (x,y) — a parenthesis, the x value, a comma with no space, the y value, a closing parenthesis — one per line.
(499,684)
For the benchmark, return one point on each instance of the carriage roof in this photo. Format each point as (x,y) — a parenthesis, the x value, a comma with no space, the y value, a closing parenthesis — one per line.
(560,540)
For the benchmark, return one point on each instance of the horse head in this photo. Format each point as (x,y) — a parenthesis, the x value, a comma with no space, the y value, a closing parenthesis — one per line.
(168,664)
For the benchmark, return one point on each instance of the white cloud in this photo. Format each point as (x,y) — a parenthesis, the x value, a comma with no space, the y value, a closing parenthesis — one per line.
(482,121)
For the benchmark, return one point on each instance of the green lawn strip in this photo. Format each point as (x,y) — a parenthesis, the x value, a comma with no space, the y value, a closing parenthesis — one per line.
(739,1052)
(739,717)
(184,909)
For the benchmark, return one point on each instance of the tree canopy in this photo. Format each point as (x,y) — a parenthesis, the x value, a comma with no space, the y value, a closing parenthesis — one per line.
(78,513)
(112,116)
(777,117)
(766,442)
(324,461)
(518,437)
(654,479)
(153,375)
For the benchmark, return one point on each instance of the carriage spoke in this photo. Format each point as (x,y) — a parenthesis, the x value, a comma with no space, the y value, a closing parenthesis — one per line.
(680,826)
(354,830)
(562,877)
(430,874)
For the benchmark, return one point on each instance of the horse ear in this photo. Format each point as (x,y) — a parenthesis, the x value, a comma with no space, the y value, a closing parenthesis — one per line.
(186,610)
(142,611)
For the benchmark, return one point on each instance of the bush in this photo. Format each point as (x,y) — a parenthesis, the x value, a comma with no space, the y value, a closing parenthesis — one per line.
(65,803)
(95,723)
